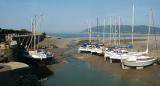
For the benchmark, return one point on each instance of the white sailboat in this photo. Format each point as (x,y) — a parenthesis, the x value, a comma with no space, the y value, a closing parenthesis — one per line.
(107,51)
(133,53)
(122,53)
(87,47)
(140,60)
(136,53)
(91,47)
(99,48)
(115,54)
(34,53)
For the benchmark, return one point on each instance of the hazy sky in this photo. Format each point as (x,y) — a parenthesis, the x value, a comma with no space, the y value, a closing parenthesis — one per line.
(72,15)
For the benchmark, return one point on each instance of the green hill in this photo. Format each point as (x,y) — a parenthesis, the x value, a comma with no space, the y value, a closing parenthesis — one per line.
(139,29)
(11,31)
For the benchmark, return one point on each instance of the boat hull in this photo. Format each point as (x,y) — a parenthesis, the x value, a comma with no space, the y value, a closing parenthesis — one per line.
(139,63)
(84,50)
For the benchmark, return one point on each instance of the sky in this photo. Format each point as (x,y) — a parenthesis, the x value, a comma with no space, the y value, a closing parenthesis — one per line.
(74,15)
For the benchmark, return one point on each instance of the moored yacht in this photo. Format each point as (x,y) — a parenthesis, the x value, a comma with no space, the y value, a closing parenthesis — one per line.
(98,49)
(138,61)
(86,47)
(115,54)
(35,53)
(40,54)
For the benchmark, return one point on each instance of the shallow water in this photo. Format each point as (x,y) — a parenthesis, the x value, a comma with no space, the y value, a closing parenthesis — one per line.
(81,73)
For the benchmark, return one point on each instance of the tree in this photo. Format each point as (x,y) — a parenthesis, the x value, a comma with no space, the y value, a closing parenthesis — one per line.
(44,34)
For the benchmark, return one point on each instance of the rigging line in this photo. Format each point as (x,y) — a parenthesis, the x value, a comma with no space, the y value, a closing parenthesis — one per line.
(23,40)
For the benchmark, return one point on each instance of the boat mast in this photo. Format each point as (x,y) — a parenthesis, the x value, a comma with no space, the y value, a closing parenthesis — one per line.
(31,35)
(110,29)
(149,27)
(97,30)
(89,30)
(115,31)
(119,18)
(104,30)
(132,22)
(39,24)
(90,33)
(153,23)
(34,32)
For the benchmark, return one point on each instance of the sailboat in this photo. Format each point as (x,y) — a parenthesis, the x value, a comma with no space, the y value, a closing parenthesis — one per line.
(131,46)
(99,48)
(87,47)
(140,60)
(39,54)
(120,52)
(108,50)
(91,47)
(116,52)
(136,53)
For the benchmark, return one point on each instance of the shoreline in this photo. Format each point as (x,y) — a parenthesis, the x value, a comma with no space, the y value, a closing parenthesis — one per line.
(24,74)
(58,46)
(143,76)
(147,76)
